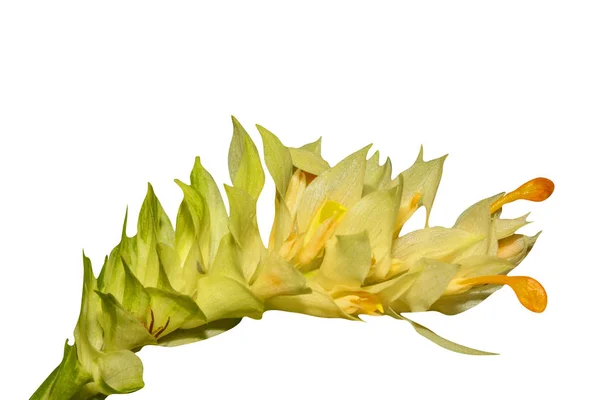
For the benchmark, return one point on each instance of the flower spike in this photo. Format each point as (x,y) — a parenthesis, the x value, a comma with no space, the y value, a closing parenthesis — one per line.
(336,250)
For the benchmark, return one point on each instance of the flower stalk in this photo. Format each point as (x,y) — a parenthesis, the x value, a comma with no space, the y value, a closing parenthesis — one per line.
(336,250)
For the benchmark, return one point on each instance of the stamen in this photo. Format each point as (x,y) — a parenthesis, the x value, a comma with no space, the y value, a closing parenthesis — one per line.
(294,192)
(360,303)
(530,292)
(406,211)
(151,327)
(510,246)
(162,329)
(321,228)
(538,189)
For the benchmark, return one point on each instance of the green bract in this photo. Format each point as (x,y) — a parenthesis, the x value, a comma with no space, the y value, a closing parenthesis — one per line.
(336,250)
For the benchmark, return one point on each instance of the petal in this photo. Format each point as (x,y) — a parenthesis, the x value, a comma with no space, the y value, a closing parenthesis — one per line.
(222,297)
(227,262)
(278,160)
(153,222)
(153,227)
(314,147)
(390,290)
(377,176)
(185,336)
(421,182)
(173,310)
(341,184)
(135,298)
(277,277)
(192,225)
(516,247)
(435,243)
(282,225)
(507,227)
(224,291)
(192,269)
(88,331)
(245,167)
(205,185)
(458,303)
(347,260)
(477,220)
(374,214)
(431,280)
(440,341)
(244,229)
(120,372)
(308,161)
(111,278)
(122,331)
(317,303)
(173,266)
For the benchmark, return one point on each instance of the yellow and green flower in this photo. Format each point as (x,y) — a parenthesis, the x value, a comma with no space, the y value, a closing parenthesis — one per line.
(336,249)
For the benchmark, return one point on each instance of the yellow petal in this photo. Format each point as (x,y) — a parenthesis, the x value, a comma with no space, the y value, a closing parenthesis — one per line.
(341,184)
(347,260)
(377,177)
(516,247)
(421,182)
(477,220)
(374,214)
(276,277)
(436,243)
(308,161)
(317,303)
(432,279)
(245,168)
(506,227)
(244,229)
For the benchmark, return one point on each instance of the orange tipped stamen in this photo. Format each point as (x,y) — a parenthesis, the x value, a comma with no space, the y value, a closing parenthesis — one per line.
(538,189)
(322,227)
(529,291)
(356,303)
(406,211)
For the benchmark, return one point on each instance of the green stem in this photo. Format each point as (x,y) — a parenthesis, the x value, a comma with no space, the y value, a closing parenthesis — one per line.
(71,381)
(68,381)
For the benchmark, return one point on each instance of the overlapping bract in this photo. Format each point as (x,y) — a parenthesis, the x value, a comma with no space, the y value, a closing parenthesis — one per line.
(335,250)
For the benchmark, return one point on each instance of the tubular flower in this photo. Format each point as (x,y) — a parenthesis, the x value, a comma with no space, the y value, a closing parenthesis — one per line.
(336,250)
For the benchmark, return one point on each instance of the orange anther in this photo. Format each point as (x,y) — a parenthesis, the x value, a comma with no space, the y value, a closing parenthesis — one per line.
(529,291)
(538,189)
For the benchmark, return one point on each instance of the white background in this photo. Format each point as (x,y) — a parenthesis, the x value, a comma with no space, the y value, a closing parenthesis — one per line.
(96,99)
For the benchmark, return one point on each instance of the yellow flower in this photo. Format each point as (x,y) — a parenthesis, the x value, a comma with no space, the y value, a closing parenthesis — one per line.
(336,250)
(341,228)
